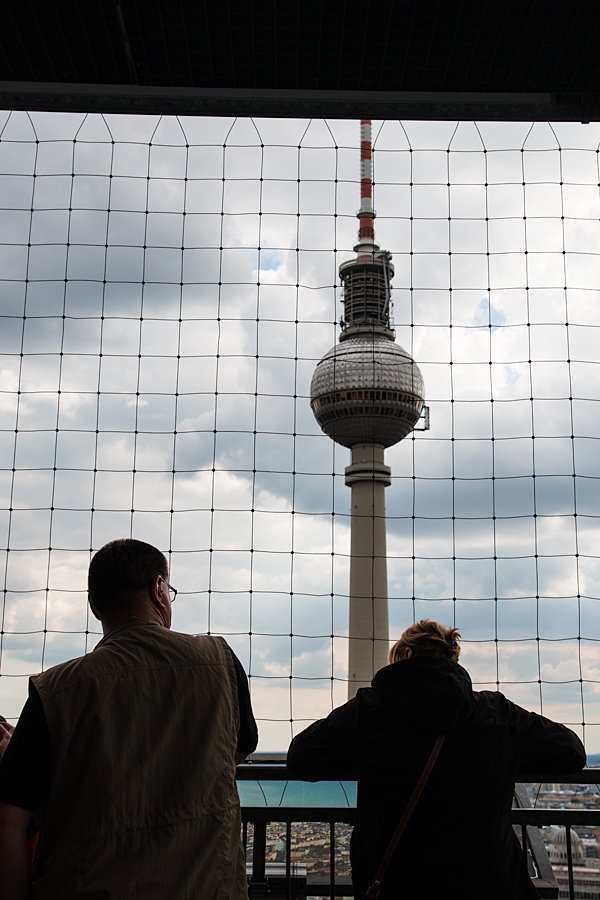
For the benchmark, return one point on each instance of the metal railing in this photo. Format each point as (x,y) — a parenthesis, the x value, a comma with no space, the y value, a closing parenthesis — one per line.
(291,881)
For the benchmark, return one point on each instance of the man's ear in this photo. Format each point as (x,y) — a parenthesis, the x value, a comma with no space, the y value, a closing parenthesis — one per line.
(155,592)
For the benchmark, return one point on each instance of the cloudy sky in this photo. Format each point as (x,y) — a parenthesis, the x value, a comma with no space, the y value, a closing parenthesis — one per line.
(167,289)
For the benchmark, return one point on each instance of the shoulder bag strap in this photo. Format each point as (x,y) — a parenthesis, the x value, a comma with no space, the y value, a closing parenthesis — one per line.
(373,891)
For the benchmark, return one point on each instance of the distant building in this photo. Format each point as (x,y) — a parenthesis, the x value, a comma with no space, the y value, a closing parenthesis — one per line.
(586,874)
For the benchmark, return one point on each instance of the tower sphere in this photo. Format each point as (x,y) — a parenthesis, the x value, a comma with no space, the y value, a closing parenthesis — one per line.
(367,389)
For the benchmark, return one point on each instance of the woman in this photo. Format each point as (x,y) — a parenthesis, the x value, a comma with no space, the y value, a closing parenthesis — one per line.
(459,840)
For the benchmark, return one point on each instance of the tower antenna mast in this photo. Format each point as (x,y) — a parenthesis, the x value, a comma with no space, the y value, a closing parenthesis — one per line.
(366,214)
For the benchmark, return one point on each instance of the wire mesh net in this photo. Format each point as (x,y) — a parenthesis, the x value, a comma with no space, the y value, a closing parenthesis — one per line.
(168,288)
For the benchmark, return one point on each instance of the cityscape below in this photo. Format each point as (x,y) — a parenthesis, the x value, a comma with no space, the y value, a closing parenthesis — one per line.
(310,841)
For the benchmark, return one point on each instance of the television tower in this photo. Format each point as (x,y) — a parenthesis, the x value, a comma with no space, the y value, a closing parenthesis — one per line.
(367,393)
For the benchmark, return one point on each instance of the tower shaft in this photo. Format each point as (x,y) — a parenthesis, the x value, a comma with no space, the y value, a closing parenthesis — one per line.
(368,641)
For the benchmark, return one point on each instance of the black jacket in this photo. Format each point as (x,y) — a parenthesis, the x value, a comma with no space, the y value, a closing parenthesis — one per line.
(459,841)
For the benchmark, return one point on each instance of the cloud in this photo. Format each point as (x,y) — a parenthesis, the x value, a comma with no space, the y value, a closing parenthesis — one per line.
(183,348)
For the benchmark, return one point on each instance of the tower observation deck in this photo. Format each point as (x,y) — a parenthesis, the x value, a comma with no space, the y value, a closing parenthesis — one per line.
(367,393)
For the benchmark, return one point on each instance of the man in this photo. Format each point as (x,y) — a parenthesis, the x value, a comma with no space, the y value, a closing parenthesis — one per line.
(127,755)
(459,841)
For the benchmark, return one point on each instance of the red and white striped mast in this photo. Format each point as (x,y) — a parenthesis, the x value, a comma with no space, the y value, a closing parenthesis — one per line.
(367,278)
(366,214)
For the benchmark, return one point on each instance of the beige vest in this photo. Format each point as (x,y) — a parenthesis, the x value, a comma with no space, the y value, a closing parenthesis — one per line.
(143,803)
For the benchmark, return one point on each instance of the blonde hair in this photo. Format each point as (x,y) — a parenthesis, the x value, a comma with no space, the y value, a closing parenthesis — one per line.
(427,638)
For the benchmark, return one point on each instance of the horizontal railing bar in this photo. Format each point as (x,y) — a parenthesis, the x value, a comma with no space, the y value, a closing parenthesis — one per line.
(327,815)
(277,771)
(347,815)
(545,816)
(261,772)
(586,776)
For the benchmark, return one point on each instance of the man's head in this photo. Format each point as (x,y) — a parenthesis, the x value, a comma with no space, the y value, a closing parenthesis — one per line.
(129,578)
(427,638)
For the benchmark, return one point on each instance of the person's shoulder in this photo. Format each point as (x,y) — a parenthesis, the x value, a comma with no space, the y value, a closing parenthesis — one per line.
(71,669)
(492,708)
(128,636)
(504,711)
(367,698)
(491,698)
(147,639)
(207,647)
(198,640)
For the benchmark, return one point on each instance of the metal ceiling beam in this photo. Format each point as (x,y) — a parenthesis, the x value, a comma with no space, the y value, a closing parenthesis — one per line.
(137,99)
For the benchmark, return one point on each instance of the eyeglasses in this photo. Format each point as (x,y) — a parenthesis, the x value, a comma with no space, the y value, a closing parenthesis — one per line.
(172,591)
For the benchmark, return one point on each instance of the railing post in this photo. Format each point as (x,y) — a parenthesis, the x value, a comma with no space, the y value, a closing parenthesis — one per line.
(258,887)
(332,860)
(288,861)
(570,862)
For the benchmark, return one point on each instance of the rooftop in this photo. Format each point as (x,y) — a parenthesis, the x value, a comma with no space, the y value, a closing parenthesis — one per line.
(498,60)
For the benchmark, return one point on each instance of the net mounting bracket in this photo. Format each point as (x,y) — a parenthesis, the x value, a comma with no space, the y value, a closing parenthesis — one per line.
(425,418)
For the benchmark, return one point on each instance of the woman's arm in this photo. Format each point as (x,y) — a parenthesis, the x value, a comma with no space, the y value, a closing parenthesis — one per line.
(326,748)
(545,745)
